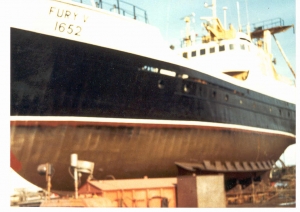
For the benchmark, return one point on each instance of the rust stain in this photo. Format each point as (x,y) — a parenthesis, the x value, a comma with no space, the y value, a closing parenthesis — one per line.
(15,164)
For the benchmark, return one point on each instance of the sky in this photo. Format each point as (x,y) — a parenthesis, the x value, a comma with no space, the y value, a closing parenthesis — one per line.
(167,16)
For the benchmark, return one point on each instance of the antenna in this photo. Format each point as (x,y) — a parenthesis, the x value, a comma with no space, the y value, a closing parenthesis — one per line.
(213,6)
(248,25)
(193,15)
(225,8)
(189,37)
(238,11)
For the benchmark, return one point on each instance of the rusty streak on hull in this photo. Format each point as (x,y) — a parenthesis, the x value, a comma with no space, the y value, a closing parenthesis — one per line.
(134,151)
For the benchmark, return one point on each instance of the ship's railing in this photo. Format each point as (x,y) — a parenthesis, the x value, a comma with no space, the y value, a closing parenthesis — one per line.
(120,7)
(264,24)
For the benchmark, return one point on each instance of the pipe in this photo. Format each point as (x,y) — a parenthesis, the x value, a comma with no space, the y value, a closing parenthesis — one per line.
(74,163)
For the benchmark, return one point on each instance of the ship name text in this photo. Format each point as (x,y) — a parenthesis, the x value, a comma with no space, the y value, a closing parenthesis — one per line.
(66,15)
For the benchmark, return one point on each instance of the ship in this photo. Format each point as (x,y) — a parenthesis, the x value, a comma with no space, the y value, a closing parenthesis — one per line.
(105,86)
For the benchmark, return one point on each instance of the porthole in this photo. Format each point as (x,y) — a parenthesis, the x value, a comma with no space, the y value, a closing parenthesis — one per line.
(241,102)
(161,84)
(214,94)
(226,97)
(186,88)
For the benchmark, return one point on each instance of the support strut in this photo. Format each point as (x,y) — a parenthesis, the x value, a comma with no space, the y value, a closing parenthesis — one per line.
(283,54)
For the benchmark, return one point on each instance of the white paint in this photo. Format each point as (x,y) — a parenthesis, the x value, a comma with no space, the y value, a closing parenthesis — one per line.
(289,155)
(146,121)
(18,182)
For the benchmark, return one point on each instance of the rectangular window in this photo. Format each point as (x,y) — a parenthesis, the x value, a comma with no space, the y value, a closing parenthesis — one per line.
(243,46)
(202,51)
(167,72)
(184,54)
(221,48)
(212,50)
(231,46)
(193,53)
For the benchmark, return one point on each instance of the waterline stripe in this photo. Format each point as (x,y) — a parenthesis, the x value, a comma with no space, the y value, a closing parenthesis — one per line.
(143,122)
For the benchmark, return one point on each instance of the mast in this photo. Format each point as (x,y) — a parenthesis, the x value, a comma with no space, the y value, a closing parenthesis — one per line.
(248,24)
(225,23)
(187,31)
(214,11)
(238,11)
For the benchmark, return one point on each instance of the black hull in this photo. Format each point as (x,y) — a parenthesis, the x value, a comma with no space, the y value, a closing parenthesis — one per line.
(54,77)
(58,77)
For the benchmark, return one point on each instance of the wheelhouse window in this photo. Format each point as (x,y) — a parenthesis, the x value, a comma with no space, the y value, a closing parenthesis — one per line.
(184,54)
(202,51)
(212,50)
(193,53)
(231,46)
(243,46)
(221,48)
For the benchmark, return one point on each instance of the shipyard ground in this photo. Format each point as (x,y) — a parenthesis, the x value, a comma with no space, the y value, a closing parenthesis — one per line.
(192,191)
(277,202)
(280,197)
(286,198)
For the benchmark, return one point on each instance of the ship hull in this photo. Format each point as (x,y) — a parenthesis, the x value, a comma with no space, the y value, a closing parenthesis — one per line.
(135,150)
(106,106)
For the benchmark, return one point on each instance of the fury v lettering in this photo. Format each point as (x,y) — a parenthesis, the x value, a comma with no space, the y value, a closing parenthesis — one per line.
(67,14)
